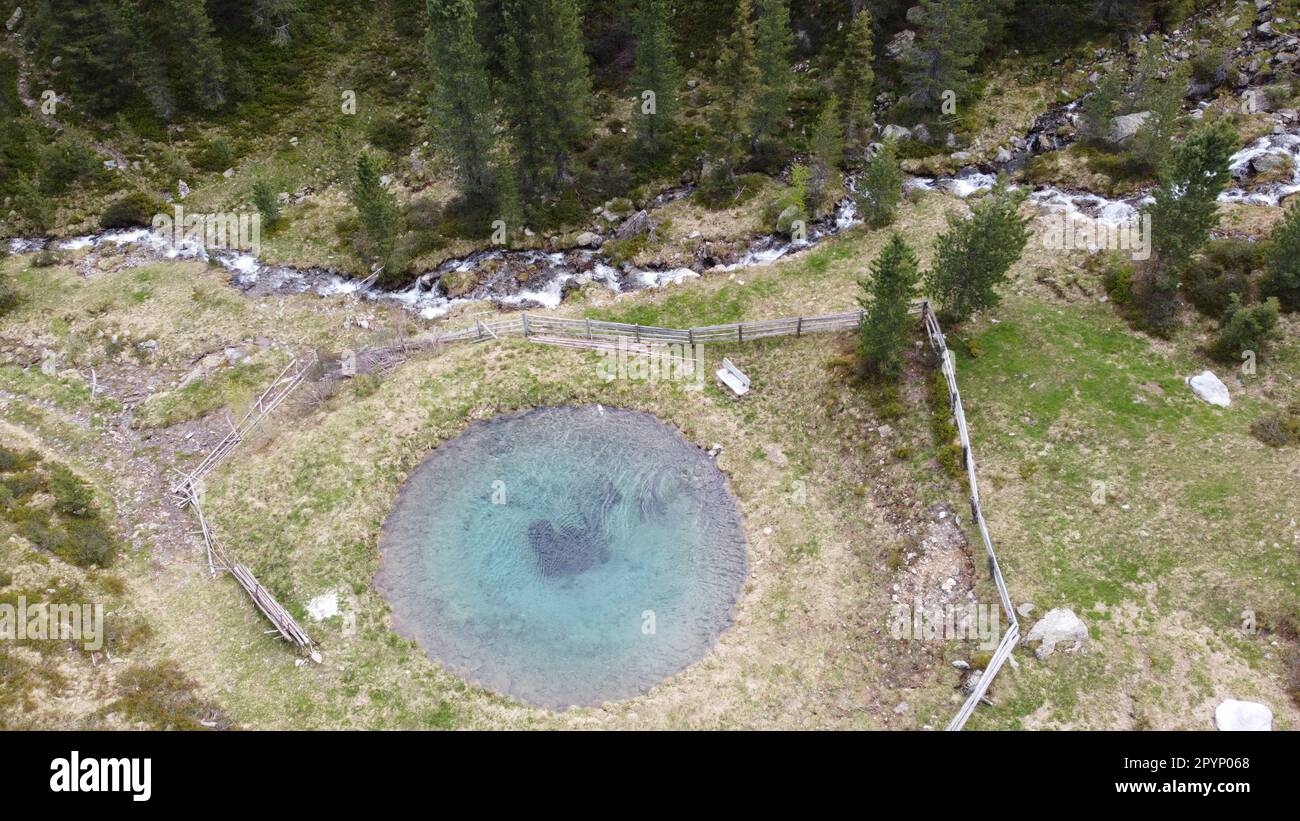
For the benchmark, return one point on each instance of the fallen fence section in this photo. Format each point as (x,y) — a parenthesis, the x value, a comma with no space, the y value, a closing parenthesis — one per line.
(1012,637)
(187,489)
(288,379)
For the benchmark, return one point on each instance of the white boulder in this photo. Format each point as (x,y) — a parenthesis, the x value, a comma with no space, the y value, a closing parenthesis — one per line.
(1059,626)
(1209,388)
(1242,715)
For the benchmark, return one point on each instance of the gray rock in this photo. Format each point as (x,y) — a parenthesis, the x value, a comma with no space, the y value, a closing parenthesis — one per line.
(1274,162)
(14,19)
(1233,715)
(920,133)
(896,132)
(1059,626)
(1209,388)
(785,220)
(588,239)
(1123,128)
(961,156)
(1003,155)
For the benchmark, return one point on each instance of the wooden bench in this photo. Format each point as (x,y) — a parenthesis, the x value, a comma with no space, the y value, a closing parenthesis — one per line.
(733,378)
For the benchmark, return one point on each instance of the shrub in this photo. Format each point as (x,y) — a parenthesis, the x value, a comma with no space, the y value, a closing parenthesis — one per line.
(1279,429)
(1223,269)
(1245,328)
(72,496)
(364,385)
(9,298)
(213,155)
(1154,304)
(136,209)
(390,134)
(1117,279)
(266,201)
(66,162)
(87,542)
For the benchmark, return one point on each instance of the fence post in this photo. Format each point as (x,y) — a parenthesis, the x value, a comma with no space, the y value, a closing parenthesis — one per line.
(638,333)
(525,315)
(740,336)
(798,328)
(588,329)
(690,335)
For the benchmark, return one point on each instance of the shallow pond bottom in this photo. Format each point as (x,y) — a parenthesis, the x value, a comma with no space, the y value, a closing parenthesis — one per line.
(564,556)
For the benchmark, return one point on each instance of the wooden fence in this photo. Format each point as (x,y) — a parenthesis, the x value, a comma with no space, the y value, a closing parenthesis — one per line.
(527,325)
(1012,637)
(187,489)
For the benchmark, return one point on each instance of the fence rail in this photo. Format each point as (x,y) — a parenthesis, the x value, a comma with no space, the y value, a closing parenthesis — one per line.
(187,489)
(1012,637)
(527,325)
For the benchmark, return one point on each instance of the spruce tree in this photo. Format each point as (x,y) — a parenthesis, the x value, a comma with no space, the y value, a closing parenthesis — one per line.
(856,84)
(656,72)
(548,87)
(827,148)
(881,187)
(463,112)
(886,325)
(1186,203)
(952,36)
(737,74)
(378,213)
(973,256)
(177,59)
(774,43)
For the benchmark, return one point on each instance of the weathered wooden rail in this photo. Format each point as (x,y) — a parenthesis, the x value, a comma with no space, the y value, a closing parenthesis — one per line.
(1012,636)
(288,379)
(187,491)
(528,325)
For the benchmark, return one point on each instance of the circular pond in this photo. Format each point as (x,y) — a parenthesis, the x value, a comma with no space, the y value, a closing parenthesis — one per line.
(564,556)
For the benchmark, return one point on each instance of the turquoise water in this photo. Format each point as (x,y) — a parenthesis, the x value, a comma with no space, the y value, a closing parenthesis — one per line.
(564,556)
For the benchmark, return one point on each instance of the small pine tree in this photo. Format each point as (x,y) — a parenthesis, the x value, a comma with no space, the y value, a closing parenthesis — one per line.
(266,202)
(973,256)
(883,334)
(856,84)
(377,208)
(827,149)
(463,112)
(737,74)
(881,187)
(774,43)
(1186,204)
(1283,280)
(656,72)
